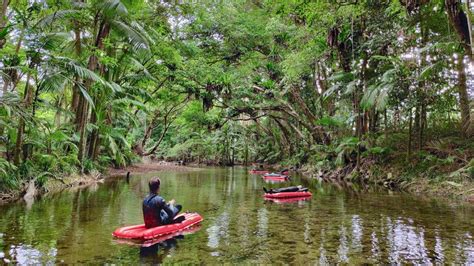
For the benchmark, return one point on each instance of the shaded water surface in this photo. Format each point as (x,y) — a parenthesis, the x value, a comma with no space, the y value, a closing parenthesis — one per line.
(336,226)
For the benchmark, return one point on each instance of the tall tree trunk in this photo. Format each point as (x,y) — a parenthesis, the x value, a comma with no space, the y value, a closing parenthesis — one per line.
(410,126)
(461,24)
(28,97)
(361,127)
(75,96)
(421,95)
(421,131)
(464,100)
(373,120)
(3,20)
(103,32)
(416,122)
(57,116)
(94,136)
(82,114)
(77,80)
(469,23)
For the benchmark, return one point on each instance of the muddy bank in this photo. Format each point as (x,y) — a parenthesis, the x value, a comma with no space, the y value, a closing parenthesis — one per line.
(463,190)
(393,177)
(150,167)
(30,190)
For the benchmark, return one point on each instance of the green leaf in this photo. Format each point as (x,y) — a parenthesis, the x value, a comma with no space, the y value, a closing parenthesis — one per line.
(454,184)
(86,96)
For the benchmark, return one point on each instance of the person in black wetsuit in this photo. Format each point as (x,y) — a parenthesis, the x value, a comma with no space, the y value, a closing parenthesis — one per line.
(156,211)
(298,188)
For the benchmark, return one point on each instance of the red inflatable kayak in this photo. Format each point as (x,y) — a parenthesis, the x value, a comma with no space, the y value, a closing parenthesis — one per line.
(271,178)
(142,233)
(276,177)
(259,172)
(156,240)
(283,195)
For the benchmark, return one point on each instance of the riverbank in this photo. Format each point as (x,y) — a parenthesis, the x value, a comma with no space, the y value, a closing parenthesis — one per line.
(29,190)
(416,177)
(151,167)
(447,189)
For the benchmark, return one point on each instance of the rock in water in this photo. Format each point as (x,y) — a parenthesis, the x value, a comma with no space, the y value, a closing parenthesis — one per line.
(30,193)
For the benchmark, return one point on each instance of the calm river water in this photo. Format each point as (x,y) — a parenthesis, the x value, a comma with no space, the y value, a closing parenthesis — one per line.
(337,225)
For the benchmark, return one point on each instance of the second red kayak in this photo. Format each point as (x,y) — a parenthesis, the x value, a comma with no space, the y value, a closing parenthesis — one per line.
(140,232)
(259,172)
(276,177)
(282,195)
(262,172)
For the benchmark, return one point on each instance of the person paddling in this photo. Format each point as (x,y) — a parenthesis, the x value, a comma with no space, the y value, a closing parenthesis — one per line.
(156,211)
(298,188)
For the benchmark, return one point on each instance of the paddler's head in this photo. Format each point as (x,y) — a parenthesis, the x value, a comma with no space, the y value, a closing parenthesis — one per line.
(154,185)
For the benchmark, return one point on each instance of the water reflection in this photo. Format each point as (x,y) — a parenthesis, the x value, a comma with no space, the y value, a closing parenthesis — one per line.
(356,233)
(469,249)
(439,256)
(375,248)
(343,249)
(323,260)
(218,230)
(406,242)
(157,252)
(28,255)
(262,223)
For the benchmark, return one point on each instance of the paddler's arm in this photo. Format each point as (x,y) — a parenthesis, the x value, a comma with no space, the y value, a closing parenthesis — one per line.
(166,207)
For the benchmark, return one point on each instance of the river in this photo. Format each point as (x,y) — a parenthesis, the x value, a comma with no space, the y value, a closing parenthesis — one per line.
(337,225)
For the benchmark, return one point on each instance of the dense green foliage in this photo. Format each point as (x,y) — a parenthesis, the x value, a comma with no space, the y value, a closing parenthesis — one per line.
(88,84)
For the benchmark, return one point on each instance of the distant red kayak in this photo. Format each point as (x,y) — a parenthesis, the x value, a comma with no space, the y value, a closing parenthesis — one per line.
(273,178)
(262,172)
(277,177)
(285,195)
(259,172)
(140,232)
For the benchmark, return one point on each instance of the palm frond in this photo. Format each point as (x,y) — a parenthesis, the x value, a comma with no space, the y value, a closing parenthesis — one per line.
(86,95)
(341,76)
(140,29)
(135,38)
(84,73)
(431,70)
(112,8)
(54,40)
(54,82)
(4,71)
(58,15)
(144,69)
